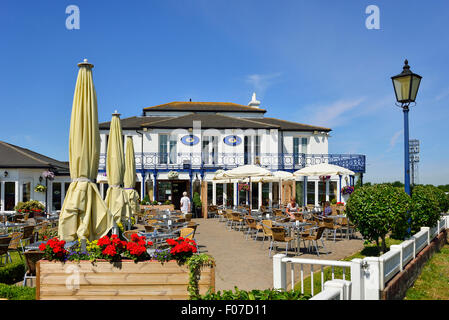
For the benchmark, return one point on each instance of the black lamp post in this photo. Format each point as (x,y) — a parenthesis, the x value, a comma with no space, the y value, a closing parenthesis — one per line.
(406,85)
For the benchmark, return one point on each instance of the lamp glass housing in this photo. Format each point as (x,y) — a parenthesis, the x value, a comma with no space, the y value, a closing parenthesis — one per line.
(406,85)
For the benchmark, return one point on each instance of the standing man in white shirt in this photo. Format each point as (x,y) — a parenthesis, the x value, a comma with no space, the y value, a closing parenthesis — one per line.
(185,203)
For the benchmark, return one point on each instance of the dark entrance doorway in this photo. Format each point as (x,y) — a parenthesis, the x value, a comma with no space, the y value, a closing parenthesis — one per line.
(172,190)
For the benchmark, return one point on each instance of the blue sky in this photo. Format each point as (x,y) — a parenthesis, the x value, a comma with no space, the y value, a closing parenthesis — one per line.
(309,61)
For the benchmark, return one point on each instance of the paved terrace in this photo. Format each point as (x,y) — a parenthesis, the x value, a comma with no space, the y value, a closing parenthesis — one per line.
(246,264)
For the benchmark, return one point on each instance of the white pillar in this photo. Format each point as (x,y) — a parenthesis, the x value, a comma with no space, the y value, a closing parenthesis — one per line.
(214,193)
(225,194)
(260,194)
(327,190)
(2,197)
(316,194)
(235,193)
(16,192)
(270,194)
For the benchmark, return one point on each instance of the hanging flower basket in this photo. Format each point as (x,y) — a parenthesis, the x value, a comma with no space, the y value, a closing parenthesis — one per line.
(347,190)
(243,187)
(173,175)
(48,175)
(40,188)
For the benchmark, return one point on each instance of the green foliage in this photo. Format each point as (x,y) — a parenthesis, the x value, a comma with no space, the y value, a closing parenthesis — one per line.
(444,187)
(167,202)
(28,206)
(146,200)
(196,200)
(195,263)
(442,197)
(12,272)
(155,202)
(377,210)
(425,211)
(334,201)
(268,294)
(13,292)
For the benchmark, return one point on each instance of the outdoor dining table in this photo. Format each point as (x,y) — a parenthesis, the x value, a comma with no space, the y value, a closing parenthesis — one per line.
(157,237)
(13,226)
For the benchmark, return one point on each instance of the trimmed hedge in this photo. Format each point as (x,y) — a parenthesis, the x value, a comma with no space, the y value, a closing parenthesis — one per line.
(12,273)
(269,294)
(13,292)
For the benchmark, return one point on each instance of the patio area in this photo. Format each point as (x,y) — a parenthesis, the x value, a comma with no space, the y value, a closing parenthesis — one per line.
(245,263)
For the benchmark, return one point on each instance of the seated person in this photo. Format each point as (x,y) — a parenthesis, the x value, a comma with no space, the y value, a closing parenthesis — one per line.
(292,207)
(327,209)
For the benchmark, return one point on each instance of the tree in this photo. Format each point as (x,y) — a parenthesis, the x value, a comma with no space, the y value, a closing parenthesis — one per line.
(425,210)
(377,210)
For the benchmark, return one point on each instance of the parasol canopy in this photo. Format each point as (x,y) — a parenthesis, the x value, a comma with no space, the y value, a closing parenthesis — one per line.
(84,215)
(130,177)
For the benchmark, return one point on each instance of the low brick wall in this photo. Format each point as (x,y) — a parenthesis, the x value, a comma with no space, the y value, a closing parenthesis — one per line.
(397,287)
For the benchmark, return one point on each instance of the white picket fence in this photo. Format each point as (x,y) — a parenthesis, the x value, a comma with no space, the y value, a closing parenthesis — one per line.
(368,276)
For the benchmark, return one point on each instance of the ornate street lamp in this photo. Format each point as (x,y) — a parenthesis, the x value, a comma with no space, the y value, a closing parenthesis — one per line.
(406,85)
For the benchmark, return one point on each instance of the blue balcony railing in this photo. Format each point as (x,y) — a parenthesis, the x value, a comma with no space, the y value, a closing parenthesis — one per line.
(226,161)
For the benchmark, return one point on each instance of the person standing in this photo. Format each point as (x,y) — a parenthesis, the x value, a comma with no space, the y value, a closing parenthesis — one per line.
(185,203)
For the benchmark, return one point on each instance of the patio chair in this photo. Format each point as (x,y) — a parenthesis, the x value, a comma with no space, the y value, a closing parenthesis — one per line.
(266,228)
(24,219)
(253,227)
(278,213)
(299,216)
(228,216)
(278,236)
(188,216)
(31,258)
(329,224)
(4,244)
(212,211)
(39,230)
(127,234)
(187,233)
(28,235)
(181,220)
(236,220)
(16,238)
(314,239)
(344,223)
(149,228)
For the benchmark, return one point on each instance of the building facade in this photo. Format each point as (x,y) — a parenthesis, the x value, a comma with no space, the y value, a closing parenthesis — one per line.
(179,144)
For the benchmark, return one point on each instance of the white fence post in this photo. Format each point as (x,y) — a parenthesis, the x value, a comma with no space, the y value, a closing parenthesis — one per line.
(279,272)
(427,229)
(372,278)
(357,279)
(343,285)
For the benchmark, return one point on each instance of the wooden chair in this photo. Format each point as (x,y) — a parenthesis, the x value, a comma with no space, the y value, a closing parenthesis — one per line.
(236,220)
(127,234)
(187,233)
(149,228)
(188,216)
(212,210)
(266,228)
(278,236)
(314,239)
(278,213)
(31,258)
(344,223)
(253,227)
(4,245)
(192,225)
(16,238)
(28,235)
(329,224)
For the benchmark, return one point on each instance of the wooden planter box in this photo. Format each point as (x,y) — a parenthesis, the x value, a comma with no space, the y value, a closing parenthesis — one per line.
(121,280)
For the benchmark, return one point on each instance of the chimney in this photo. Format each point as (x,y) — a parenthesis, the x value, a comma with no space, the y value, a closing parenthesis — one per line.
(254,103)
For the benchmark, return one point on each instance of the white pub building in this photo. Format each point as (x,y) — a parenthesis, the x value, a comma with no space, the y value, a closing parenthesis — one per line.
(180,144)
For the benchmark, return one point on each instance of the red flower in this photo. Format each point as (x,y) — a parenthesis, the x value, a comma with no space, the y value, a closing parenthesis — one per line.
(104,241)
(110,250)
(42,247)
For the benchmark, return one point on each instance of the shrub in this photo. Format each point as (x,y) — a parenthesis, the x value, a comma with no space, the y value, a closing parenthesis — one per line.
(167,202)
(12,273)
(442,197)
(13,292)
(377,210)
(425,210)
(196,200)
(268,294)
(146,200)
(33,206)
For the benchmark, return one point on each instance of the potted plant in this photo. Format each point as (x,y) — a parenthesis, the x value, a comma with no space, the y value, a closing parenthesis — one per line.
(128,268)
(40,188)
(197,205)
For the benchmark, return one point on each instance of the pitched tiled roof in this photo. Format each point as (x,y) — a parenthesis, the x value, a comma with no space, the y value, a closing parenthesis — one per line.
(17,157)
(133,123)
(203,106)
(285,125)
(218,121)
